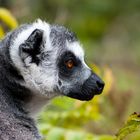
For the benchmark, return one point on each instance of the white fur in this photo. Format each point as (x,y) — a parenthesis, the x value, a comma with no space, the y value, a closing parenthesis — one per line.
(77,49)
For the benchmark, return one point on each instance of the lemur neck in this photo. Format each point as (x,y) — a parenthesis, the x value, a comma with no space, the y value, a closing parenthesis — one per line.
(13,82)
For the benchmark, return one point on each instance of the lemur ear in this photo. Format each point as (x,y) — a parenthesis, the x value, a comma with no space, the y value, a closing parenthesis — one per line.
(31,48)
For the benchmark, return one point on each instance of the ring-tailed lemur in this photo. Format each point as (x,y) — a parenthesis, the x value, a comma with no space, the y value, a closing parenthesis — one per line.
(39,61)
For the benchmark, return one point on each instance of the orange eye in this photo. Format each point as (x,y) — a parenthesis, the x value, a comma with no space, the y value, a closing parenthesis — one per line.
(69,64)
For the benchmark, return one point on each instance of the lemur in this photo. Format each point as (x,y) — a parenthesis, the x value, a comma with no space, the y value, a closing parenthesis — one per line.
(38,62)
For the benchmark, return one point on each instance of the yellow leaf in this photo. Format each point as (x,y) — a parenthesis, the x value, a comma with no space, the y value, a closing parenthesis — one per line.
(95,68)
(1,32)
(7,18)
(132,125)
(78,103)
(108,79)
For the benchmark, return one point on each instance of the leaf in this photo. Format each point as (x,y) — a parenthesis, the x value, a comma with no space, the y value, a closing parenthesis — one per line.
(1,32)
(60,102)
(132,125)
(7,18)
(106,137)
(56,134)
(108,79)
(74,135)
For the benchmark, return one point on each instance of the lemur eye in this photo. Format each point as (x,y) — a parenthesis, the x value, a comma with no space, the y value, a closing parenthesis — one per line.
(69,64)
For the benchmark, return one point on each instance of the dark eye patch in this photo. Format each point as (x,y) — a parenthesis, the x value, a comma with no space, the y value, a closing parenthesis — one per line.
(69,56)
(63,70)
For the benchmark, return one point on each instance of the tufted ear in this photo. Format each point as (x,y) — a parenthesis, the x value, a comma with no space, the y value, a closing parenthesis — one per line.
(31,48)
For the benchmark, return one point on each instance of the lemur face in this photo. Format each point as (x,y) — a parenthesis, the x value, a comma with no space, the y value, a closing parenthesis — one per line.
(51,61)
(75,79)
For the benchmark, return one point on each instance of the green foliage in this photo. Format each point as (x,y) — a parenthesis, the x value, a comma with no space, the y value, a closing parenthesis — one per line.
(64,110)
(56,133)
(132,125)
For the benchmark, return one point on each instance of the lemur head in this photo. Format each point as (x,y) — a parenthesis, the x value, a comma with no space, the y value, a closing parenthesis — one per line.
(51,61)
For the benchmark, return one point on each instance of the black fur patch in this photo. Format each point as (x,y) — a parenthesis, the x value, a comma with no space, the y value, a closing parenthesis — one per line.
(32,46)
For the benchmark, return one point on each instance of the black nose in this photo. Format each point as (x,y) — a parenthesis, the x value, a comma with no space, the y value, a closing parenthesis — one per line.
(100,86)
(99,83)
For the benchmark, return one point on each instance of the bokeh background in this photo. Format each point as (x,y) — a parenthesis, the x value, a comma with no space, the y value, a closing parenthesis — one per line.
(110,33)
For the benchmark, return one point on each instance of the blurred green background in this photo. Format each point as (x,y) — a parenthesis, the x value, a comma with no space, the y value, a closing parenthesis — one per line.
(110,33)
